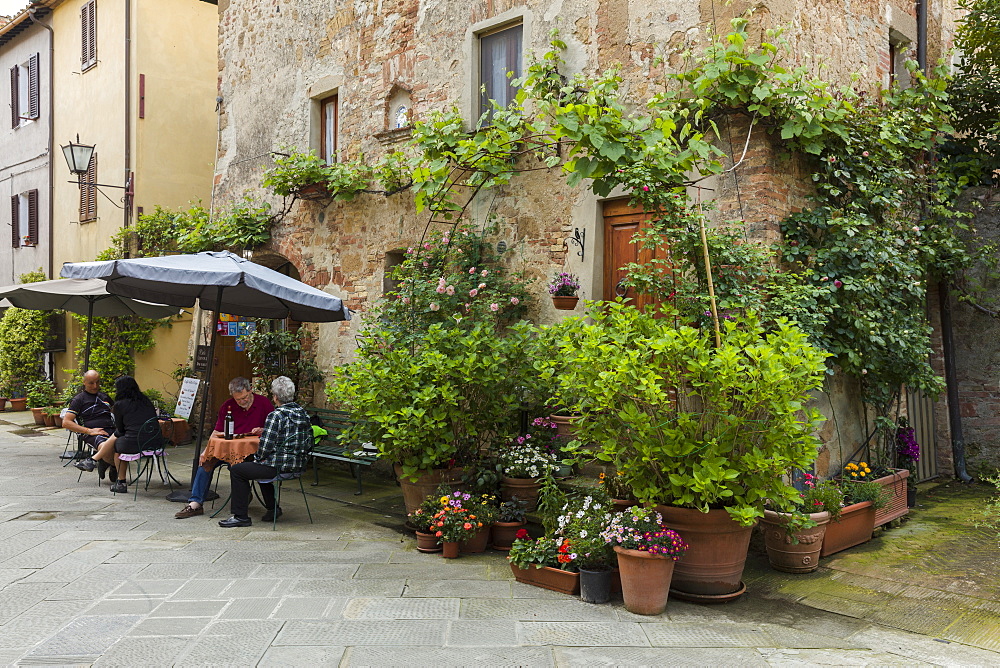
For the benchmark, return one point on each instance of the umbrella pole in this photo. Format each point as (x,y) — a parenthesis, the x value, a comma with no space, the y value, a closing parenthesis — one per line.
(182,495)
(90,326)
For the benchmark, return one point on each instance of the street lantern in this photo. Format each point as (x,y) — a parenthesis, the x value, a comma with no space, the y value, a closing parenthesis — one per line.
(78,156)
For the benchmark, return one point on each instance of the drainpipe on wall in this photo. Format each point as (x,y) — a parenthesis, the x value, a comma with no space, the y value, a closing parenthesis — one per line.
(922,34)
(51,139)
(129,179)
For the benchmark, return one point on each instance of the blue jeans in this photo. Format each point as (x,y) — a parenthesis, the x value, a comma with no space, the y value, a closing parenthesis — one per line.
(202,479)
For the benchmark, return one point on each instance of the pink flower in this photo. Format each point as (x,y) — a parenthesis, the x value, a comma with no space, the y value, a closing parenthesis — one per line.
(426,264)
(440,289)
(494,307)
(427,246)
(833,159)
(481,286)
(472,270)
(838,284)
(484,273)
(406,300)
(515,301)
(466,306)
(450,289)
(645,189)
(864,153)
(410,249)
(473,292)
(434,306)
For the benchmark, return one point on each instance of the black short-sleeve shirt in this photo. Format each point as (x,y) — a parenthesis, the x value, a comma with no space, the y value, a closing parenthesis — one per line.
(92,410)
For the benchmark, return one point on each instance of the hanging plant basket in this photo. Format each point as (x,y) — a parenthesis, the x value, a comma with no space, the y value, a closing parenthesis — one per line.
(564,303)
(314,192)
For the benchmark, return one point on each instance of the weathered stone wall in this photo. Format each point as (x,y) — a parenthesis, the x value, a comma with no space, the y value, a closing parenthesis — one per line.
(276,60)
(977,347)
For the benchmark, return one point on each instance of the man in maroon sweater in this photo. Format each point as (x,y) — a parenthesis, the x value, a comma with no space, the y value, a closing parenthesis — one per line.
(249,414)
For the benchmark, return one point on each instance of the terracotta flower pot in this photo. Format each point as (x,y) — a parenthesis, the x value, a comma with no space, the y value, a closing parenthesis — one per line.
(414,493)
(645,580)
(595,586)
(19,404)
(854,526)
(621,505)
(3,403)
(477,543)
(563,303)
(313,192)
(712,568)
(449,549)
(38,414)
(548,578)
(525,489)
(49,420)
(504,534)
(896,484)
(793,555)
(564,424)
(427,542)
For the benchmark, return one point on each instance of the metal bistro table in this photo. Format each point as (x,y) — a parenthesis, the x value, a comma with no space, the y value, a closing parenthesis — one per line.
(227,451)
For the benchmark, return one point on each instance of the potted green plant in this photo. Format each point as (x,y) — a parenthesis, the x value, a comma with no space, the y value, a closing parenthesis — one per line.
(41,393)
(51,416)
(703,431)
(421,521)
(894,481)
(589,553)
(562,288)
(309,177)
(523,464)
(794,540)
(856,523)
(646,552)
(537,562)
(510,519)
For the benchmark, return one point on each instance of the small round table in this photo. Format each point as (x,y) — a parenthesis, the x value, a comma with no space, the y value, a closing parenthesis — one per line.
(231,451)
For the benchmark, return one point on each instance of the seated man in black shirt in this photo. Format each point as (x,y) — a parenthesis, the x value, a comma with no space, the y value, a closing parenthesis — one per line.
(89,414)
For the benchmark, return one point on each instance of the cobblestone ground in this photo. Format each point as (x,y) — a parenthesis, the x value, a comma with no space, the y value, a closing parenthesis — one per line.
(91,578)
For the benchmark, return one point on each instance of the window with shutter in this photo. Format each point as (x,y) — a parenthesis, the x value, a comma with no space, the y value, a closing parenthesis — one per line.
(329,110)
(32,235)
(33,102)
(88,35)
(15,105)
(88,193)
(15,210)
(499,65)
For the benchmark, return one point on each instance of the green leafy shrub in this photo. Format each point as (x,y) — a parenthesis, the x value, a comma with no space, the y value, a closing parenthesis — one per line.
(686,423)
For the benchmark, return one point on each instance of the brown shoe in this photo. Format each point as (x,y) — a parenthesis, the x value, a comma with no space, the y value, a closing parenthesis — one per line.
(188,511)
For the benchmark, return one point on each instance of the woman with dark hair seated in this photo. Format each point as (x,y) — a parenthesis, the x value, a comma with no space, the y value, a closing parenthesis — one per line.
(136,430)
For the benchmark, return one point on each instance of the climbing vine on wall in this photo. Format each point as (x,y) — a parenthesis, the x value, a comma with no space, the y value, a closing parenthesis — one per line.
(23,335)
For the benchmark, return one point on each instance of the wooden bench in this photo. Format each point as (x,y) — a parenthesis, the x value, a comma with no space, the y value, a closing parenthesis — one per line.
(336,447)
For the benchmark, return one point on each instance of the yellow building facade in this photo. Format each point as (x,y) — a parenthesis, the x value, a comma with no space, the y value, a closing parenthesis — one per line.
(137,79)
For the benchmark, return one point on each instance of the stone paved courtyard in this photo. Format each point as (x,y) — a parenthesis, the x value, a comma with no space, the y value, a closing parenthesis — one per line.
(90,578)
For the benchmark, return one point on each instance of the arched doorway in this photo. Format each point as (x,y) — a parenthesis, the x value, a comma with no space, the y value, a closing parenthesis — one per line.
(230,358)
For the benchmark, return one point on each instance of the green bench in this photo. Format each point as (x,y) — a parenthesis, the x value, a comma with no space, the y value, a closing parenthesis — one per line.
(336,447)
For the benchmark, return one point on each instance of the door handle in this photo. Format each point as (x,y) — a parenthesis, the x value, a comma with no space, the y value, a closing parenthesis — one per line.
(620,289)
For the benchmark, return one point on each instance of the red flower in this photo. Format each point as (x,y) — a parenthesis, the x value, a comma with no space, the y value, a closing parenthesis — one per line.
(522,533)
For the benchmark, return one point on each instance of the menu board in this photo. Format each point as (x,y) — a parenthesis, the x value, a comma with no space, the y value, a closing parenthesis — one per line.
(185,398)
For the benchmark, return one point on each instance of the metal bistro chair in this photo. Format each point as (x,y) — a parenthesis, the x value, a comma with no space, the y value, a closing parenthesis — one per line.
(151,452)
(276,481)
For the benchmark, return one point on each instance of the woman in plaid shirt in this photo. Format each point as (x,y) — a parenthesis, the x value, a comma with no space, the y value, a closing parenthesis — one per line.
(284,445)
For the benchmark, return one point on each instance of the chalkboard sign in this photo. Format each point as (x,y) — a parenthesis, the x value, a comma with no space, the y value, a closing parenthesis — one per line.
(201,358)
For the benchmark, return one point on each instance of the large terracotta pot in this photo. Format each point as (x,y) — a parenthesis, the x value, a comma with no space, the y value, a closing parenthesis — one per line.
(427,542)
(3,403)
(548,578)
(564,424)
(525,489)
(621,505)
(504,534)
(39,415)
(18,404)
(414,493)
(711,569)
(854,526)
(49,420)
(798,553)
(645,580)
(477,543)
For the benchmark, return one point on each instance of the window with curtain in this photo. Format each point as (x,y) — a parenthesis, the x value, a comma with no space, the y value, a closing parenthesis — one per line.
(328,109)
(499,65)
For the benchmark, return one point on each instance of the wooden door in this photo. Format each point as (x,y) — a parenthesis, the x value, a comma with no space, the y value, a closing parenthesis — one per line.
(621,222)
(228,364)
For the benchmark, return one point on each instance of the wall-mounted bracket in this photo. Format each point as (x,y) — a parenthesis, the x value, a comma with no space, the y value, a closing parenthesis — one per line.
(580,239)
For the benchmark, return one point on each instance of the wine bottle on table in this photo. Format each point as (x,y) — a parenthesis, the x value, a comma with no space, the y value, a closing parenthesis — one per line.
(228,425)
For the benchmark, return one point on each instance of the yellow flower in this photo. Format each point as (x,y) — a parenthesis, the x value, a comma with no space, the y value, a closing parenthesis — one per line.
(863,464)
(862,474)
(443,500)
(602,475)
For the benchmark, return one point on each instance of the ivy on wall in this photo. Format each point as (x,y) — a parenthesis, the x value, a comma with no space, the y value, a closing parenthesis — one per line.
(23,334)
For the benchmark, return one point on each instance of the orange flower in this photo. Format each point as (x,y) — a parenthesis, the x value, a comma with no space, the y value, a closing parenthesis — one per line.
(437,533)
(466,526)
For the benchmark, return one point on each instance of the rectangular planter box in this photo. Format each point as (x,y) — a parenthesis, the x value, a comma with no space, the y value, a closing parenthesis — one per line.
(895,484)
(855,526)
(548,578)
(557,580)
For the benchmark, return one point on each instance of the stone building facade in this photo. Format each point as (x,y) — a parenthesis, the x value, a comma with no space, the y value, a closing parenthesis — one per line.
(281,65)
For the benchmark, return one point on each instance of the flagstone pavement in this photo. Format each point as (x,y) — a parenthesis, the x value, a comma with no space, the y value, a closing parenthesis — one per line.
(88,578)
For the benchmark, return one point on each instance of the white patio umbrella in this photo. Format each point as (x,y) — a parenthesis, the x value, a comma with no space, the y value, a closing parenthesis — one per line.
(222,282)
(89,297)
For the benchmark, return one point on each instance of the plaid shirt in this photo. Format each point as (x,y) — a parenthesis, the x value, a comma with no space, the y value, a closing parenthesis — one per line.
(287,438)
